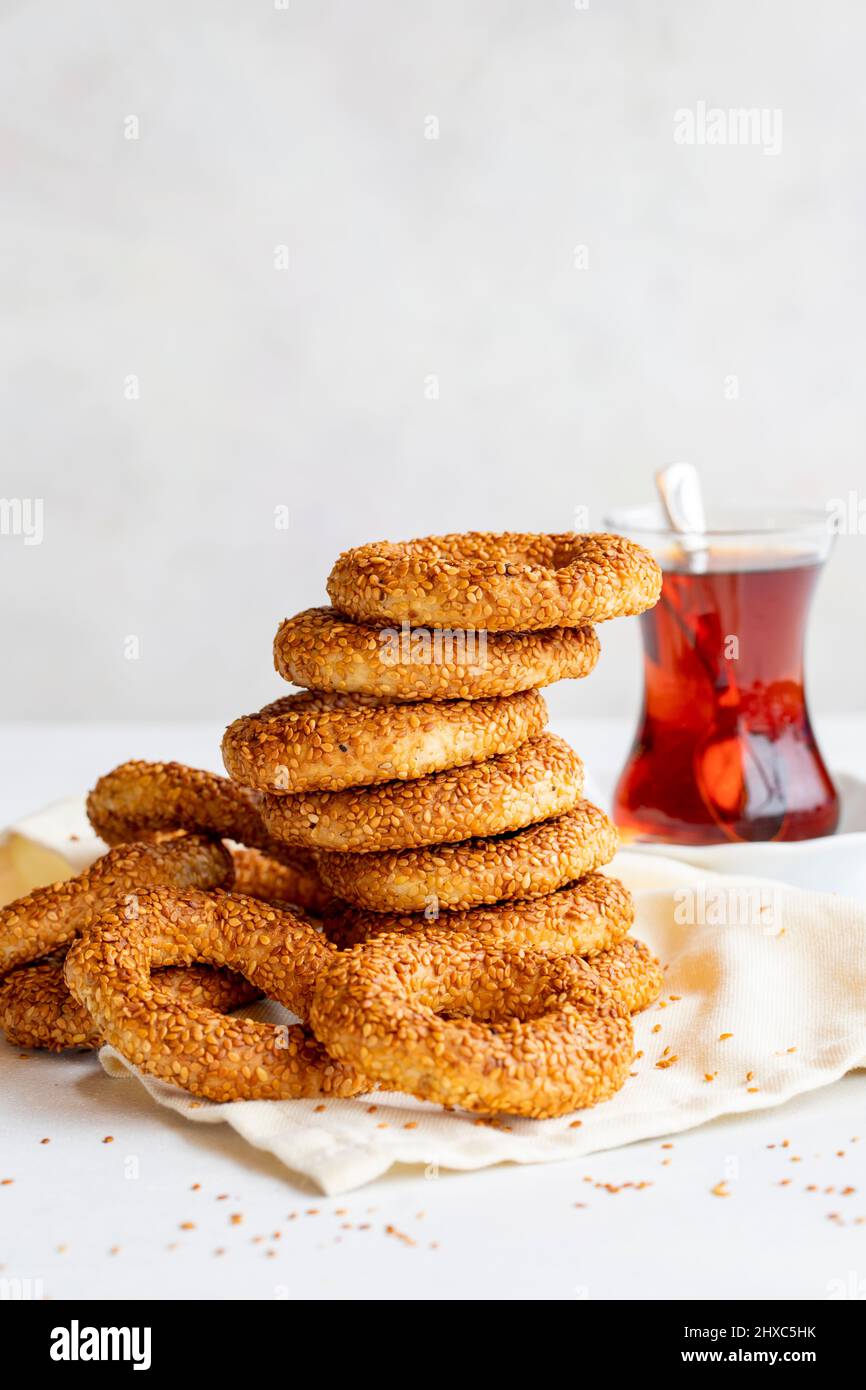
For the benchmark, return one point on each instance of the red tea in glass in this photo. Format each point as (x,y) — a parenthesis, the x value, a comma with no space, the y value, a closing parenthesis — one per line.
(725,748)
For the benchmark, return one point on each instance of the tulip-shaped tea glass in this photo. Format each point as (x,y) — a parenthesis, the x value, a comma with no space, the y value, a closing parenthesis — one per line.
(725,748)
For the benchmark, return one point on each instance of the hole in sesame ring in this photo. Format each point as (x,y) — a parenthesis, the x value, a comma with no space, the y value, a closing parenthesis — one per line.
(109,968)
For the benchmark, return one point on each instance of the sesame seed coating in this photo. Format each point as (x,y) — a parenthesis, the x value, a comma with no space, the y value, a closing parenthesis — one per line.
(448,1020)
(315,741)
(508,582)
(582,919)
(631,971)
(37,1010)
(140,797)
(522,864)
(48,918)
(109,971)
(257,875)
(540,779)
(322,650)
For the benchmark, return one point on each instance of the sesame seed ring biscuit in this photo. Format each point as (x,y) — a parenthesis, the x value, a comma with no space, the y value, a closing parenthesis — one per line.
(259,876)
(314,741)
(322,650)
(109,971)
(37,1010)
(47,919)
(582,919)
(540,779)
(632,972)
(451,1021)
(522,864)
(509,582)
(140,797)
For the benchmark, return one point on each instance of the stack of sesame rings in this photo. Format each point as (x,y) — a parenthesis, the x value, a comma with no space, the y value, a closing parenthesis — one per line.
(426,1016)
(322,650)
(415,766)
(410,794)
(508,582)
(540,779)
(179,1038)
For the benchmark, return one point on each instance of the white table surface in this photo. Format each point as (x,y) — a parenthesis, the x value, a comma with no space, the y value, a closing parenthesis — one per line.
(93,1219)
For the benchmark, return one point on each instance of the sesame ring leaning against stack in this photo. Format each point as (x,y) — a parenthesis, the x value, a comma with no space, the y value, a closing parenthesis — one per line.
(139,798)
(448,1020)
(109,971)
(322,650)
(524,864)
(540,779)
(582,919)
(325,742)
(508,582)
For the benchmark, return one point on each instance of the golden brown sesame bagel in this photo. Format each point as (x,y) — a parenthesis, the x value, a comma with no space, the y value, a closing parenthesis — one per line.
(508,582)
(257,875)
(109,968)
(139,798)
(322,650)
(493,1031)
(541,778)
(325,742)
(582,919)
(37,1010)
(632,972)
(524,864)
(48,918)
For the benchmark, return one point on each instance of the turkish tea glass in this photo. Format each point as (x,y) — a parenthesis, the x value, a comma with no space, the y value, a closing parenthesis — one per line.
(725,749)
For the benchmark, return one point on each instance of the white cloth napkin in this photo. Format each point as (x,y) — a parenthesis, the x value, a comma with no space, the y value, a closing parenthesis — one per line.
(765,998)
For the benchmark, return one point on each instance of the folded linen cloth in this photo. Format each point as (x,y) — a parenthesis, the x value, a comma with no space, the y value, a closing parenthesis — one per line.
(764,998)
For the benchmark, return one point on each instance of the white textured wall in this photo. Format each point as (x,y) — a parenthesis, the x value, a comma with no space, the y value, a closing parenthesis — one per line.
(408,257)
